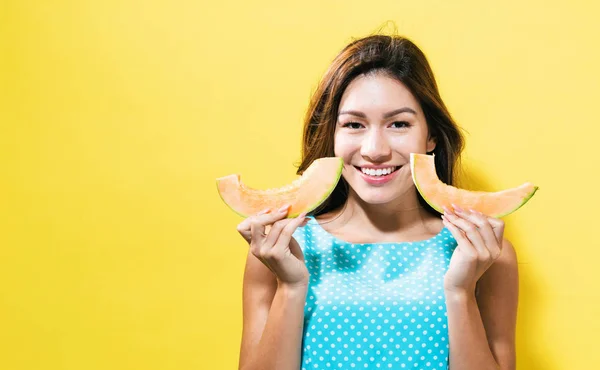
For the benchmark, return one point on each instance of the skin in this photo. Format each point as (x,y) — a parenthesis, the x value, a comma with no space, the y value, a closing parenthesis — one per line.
(481,326)
(388,212)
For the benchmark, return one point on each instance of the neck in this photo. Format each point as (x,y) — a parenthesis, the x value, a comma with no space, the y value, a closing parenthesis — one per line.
(403,214)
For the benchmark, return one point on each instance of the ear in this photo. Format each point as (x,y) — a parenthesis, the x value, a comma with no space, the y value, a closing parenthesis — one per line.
(431,143)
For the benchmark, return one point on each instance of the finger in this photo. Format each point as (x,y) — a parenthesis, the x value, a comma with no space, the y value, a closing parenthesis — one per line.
(471,232)
(273,236)
(259,223)
(244,227)
(296,250)
(498,227)
(306,219)
(484,227)
(460,237)
(285,236)
(257,232)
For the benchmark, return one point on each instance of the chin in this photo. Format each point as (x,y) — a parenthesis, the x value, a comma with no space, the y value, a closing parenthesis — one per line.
(377,196)
(391,192)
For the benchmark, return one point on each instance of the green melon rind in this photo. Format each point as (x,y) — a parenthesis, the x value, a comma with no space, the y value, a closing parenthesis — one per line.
(223,199)
(338,175)
(309,209)
(412,170)
(525,199)
(441,210)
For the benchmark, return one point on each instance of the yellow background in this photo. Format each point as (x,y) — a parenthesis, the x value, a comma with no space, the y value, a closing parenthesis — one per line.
(116,117)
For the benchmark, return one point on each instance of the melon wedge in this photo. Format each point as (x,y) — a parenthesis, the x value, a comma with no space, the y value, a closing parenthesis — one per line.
(304,194)
(437,194)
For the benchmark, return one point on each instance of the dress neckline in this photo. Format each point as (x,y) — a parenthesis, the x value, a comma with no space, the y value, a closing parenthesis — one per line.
(314,221)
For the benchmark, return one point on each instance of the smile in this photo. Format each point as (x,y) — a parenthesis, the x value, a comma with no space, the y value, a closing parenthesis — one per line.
(377,176)
(379,171)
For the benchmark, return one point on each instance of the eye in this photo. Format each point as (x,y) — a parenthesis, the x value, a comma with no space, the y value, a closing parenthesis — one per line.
(352,125)
(400,124)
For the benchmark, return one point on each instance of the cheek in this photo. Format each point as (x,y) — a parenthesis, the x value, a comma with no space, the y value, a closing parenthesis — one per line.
(408,143)
(342,146)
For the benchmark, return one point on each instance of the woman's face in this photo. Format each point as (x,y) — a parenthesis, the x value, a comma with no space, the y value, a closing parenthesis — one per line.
(379,124)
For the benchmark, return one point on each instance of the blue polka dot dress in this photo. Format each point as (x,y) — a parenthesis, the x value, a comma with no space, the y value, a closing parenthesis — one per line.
(375,305)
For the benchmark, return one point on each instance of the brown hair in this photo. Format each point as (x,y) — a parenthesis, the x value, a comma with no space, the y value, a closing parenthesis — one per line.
(399,58)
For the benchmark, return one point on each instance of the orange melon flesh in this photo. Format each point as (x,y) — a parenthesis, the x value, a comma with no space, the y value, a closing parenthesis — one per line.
(437,194)
(304,194)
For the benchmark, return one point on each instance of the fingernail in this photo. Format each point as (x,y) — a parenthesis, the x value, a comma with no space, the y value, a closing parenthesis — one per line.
(457,208)
(264,211)
(284,208)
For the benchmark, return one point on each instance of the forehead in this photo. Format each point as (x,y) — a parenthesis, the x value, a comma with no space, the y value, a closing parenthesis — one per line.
(377,92)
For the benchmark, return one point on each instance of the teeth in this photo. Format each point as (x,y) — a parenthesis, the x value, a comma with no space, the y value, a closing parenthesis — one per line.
(378,172)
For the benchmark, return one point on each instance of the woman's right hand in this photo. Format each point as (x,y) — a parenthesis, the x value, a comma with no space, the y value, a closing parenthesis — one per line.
(277,249)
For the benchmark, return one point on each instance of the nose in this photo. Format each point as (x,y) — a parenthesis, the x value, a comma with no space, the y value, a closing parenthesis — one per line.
(375,146)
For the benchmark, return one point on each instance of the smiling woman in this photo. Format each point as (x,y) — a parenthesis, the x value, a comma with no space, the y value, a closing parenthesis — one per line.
(355,94)
(374,277)
(373,135)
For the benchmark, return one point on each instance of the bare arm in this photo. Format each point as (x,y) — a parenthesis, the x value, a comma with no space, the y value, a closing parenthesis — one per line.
(482,328)
(273,320)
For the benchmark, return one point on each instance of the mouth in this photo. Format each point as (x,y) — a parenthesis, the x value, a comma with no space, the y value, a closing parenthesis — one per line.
(377,177)
(378,173)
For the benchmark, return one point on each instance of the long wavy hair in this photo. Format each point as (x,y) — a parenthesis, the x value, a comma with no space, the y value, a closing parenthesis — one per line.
(399,58)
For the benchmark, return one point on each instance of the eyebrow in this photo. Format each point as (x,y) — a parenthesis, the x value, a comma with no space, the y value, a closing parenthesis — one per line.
(387,115)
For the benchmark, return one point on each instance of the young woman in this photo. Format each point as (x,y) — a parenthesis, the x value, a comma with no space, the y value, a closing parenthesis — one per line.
(375,278)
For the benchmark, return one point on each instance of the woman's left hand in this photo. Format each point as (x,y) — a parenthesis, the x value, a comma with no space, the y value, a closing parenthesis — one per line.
(479,240)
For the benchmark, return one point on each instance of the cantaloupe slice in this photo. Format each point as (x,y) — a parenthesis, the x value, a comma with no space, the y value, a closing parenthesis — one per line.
(304,194)
(437,194)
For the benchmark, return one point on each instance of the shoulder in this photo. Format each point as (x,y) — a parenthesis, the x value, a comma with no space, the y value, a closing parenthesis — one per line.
(508,257)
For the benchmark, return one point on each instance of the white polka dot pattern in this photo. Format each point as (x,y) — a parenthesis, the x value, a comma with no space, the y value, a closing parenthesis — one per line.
(375,306)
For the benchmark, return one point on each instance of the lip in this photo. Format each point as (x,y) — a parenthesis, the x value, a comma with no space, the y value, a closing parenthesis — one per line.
(377,180)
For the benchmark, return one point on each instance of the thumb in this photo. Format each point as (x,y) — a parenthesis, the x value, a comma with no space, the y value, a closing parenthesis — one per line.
(296,250)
